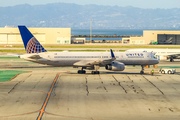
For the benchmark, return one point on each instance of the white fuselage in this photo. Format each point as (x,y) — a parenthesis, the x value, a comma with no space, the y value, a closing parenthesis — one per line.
(161,54)
(70,58)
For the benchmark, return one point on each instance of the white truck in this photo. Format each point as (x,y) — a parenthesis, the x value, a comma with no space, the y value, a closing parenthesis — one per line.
(167,71)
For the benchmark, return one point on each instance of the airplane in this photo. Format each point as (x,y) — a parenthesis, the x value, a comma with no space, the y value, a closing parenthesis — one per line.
(114,61)
(161,54)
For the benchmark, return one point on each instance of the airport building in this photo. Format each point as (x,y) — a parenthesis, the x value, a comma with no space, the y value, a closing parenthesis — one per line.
(10,35)
(159,36)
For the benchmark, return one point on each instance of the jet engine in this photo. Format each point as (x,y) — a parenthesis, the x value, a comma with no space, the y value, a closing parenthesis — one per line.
(115,66)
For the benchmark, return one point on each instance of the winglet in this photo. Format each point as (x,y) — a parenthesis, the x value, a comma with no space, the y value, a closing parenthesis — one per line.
(112,54)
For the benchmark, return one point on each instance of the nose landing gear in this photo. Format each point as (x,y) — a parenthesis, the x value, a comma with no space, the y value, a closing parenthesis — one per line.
(142,70)
(171,60)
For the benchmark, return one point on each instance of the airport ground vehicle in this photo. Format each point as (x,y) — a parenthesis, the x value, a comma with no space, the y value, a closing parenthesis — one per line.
(167,71)
(153,43)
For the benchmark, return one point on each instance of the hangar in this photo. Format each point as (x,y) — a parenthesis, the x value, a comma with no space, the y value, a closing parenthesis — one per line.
(11,35)
(160,36)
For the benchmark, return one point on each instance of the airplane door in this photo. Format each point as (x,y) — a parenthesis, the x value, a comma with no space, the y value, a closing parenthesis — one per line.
(48,56)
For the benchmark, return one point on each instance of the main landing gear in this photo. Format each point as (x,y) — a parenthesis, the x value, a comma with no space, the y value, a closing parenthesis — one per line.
(142,70)
(96,68)
(93,72)
(81,71)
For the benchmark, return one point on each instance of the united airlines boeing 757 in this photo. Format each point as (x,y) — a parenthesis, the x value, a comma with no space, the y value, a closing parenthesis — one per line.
(86,60)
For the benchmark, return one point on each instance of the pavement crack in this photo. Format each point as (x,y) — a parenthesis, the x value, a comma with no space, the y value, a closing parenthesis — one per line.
(154,85)
(120,84)
(13,87)
(105,89)
(102,84)
(87,90)
(171,110)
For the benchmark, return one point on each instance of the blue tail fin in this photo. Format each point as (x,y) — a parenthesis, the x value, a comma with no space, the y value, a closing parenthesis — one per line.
(31,44)
(112,54)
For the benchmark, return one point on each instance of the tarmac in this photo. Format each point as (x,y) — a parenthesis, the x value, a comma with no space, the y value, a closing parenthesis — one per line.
(59,93)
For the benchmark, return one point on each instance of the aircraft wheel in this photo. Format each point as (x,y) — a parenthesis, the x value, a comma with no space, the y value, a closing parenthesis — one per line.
(163,72)
(141,72)
(81,72)
(171,60)
(169,72)
(95,72)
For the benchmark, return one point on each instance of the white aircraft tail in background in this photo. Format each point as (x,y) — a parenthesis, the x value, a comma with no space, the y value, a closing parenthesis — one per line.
(161,54)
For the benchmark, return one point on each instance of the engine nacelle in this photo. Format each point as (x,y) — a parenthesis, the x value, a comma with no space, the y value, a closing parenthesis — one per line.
(115,66)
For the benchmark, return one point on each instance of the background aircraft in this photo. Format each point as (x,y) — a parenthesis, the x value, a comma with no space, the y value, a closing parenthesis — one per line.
(86,60)
(161,54)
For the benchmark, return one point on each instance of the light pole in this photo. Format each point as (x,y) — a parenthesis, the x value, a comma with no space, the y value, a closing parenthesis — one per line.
(90,30)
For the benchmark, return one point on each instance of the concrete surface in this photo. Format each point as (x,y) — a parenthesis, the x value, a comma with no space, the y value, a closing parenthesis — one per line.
(111,95)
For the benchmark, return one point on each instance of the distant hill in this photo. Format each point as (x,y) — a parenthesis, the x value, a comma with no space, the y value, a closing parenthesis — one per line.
(78,16)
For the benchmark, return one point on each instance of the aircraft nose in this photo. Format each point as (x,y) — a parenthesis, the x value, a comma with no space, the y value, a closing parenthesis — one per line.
(156,61)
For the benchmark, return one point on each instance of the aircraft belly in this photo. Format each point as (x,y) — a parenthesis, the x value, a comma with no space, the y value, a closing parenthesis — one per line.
(62,62)
(138,62)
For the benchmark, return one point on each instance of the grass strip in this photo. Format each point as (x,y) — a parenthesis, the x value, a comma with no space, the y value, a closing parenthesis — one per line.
(9,74)
(100,46)
(23,51)
(9,58)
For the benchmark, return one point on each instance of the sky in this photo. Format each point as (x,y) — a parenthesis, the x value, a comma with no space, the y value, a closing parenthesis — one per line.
(135,3)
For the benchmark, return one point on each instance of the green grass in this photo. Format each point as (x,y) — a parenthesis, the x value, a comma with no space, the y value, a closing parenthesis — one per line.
(2,58)
(9,74)
(12,51)
(100,46)
(88,47)
(23,51)
(82,50)
(168,66)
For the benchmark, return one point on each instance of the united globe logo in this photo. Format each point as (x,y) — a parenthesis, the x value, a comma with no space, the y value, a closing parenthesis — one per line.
(34,46)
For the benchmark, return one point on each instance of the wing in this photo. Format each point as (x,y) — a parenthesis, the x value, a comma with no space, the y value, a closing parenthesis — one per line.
(35,57)
(86,63)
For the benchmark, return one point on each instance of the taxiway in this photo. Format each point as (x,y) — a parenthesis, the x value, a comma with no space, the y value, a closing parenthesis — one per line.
(62,94)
